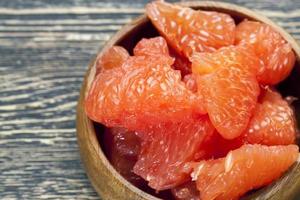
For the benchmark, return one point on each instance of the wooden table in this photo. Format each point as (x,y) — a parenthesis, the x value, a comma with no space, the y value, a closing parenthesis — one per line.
(45,48)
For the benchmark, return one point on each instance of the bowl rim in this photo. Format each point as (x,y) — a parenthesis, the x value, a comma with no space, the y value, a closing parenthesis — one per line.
(81,117)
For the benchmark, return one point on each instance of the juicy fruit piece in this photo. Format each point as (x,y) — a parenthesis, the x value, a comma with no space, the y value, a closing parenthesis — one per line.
(273,122)
(122,148)
(151,47)
(230,94)
(157,47)
(237,56)
(249,167)
(144,91)
(229,87)
(186,191)
(167,148)
(112,58)
(189,31)
(270,47)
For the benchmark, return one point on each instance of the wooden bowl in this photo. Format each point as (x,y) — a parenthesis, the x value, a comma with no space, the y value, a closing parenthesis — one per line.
(106,180)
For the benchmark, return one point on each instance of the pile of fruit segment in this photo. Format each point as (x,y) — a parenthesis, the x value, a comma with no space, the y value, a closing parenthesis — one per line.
(195,110)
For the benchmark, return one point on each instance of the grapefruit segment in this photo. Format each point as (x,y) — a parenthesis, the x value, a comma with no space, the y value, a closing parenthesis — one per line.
(273,122)
(237,56)
(114,57)
(230,94)
(189,31)
(167,148)
(156,46)
(249,167)
(143,91)
(270,47)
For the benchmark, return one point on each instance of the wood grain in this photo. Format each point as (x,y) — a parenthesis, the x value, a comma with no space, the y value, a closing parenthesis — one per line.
(45,47)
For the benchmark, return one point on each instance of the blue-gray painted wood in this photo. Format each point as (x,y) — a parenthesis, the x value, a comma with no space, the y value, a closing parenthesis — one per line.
(45,48)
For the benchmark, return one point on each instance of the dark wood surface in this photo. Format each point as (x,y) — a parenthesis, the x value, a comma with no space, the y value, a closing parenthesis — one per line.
(45,48)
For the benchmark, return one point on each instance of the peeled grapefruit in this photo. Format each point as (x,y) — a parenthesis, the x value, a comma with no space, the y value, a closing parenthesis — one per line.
(249,167)
(143,91)
(273,122)
(270,47)
(188,30)
(166,150)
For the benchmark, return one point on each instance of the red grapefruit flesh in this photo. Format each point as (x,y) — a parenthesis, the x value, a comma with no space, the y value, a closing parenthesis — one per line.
(237,56)
(249,167)
(273,122)
(189,31)
(156,46)
(144,91)
(228,84)
(270,47)
(112,58)
(230,95)
(167,148)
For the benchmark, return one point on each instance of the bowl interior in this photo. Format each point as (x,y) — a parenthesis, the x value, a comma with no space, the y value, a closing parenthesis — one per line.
(288,184)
